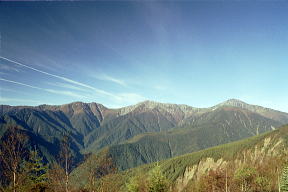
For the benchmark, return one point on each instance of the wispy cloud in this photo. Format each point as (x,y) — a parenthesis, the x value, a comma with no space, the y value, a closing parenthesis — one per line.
(99,91)
(16,100)
(19,83)
(106,77)
(160,87)
(91,92)
(67,93)
(4,67)
(130,98)
(121,98)
(67,86)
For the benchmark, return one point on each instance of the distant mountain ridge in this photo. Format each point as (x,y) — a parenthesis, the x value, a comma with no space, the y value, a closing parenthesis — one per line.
(96,107)
(179,128)
(267,112)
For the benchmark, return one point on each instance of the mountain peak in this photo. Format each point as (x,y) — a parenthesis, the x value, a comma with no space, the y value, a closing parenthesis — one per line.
(148,102)
(243,105)
(153,104)
(234,102)
(148,105)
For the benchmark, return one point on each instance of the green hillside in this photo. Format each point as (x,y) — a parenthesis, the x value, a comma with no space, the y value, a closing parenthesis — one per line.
(210,129)
(184,172)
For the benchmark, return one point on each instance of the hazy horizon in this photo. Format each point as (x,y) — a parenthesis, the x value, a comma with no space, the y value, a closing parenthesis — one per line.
(121,53)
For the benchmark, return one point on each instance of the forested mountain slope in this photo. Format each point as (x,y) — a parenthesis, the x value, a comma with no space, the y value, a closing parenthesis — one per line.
(255,163)
(143,133)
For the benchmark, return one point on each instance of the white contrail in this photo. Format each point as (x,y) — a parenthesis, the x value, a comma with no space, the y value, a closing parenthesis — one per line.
(67,93)
(62,78)
(19,83)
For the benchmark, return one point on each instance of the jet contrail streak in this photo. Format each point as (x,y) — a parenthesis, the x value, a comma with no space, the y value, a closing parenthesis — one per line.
(67,93)
(63,78)
(18,83)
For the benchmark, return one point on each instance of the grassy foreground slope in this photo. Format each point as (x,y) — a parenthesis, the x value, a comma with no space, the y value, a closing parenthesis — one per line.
(183,171)
(253,150)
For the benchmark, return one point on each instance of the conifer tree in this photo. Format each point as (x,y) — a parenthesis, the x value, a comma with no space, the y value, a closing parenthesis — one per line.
(158,182)
(37,171)
(133,185)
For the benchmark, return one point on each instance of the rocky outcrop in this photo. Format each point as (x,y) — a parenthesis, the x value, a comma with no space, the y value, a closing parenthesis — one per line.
(269,147)
(198,170)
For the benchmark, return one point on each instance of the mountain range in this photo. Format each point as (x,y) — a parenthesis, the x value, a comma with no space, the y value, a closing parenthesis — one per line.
(143,133)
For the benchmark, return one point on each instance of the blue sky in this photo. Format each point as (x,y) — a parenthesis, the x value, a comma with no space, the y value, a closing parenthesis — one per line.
(120,53)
